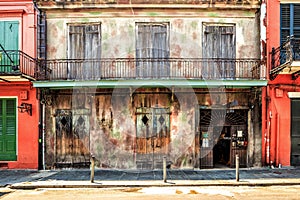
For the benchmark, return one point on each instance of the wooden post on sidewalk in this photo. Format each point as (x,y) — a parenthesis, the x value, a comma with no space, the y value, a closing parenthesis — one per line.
(165,169)
(92,168)
(237,163)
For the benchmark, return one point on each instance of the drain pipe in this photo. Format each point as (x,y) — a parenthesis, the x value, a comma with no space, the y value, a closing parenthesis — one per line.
(43,134)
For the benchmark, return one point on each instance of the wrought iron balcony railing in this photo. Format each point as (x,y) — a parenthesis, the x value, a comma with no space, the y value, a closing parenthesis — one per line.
(171,68)
(15,62)
(284,57)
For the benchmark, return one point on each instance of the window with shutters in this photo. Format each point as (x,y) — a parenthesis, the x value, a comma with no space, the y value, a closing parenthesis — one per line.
(289,21)
(9,40)
(219,46)
(85,50)
(152,50)
(8,129)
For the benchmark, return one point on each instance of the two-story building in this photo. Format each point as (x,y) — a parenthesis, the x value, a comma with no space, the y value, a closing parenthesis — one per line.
(281,99)
(133,81)
(19,107)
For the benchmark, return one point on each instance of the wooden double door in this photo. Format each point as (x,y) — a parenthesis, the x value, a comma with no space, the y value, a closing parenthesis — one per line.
(72,139)
(152,137)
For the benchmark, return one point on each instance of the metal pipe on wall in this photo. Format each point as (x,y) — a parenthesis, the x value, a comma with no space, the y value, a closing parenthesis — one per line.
(277,139)
(43,134)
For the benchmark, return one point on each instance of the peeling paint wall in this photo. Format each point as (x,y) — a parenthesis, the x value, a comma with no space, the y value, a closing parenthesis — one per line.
(113,124)
(113,113)
(118,31)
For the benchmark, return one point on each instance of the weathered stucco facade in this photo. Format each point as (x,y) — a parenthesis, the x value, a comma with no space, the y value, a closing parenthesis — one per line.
(111,125)
(133,122)
(118,30)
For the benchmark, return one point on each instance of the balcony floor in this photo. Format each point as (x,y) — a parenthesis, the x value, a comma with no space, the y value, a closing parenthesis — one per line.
(14,78)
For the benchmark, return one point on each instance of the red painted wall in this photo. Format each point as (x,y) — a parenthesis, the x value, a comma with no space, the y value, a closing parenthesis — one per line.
(27,132)
(276,115)
(27,126)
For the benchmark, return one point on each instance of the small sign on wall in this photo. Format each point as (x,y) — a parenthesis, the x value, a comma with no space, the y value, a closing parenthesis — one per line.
(240,133)
(279,92)
(24,95)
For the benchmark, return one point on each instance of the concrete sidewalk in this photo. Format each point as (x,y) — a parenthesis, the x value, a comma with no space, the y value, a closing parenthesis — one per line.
(80,178)
(151,183)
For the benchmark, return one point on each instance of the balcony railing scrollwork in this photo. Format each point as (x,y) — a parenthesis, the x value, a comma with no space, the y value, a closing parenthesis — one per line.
(284,58)
(16,62)
(147,68)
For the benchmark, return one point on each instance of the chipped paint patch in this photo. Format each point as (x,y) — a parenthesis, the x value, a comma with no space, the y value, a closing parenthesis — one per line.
(213,15)
(152,14)
(95,13)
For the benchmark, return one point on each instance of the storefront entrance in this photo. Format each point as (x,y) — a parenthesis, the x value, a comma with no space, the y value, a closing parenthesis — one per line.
(223,135)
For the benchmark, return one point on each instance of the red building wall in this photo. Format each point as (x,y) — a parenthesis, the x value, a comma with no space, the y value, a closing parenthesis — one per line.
(27,126)
(276,105)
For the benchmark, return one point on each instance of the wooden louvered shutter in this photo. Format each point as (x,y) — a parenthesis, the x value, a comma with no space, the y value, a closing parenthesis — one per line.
(85,44)
(8,129)
(284,22)
(152,50)
(9,39)
(289,21)
(219,45)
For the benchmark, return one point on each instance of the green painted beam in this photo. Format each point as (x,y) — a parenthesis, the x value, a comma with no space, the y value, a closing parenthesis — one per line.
(151,83)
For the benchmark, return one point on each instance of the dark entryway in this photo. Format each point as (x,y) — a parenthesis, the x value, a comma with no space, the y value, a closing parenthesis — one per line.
(223,134)
(295,133)
(221,149)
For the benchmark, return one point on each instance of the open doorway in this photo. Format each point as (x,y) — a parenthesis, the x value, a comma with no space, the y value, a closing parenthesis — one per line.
(222,135)
(221,149)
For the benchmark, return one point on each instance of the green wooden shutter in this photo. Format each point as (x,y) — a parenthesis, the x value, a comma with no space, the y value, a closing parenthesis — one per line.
(9,39)
(8,129)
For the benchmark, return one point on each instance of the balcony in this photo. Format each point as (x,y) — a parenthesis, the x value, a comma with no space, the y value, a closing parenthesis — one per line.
(16,65)
(154,69)
(285,59)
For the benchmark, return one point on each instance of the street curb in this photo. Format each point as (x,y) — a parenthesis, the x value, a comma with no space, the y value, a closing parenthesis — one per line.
(122,184)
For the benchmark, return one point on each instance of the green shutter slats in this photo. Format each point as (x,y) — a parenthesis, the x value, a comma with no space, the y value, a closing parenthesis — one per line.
(8,124)
(10,108)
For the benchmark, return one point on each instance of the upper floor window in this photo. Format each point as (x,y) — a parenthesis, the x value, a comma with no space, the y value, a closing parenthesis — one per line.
(218,43)
(84,41)
(9,40)
(152,49)
(289,21)
(85,48)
